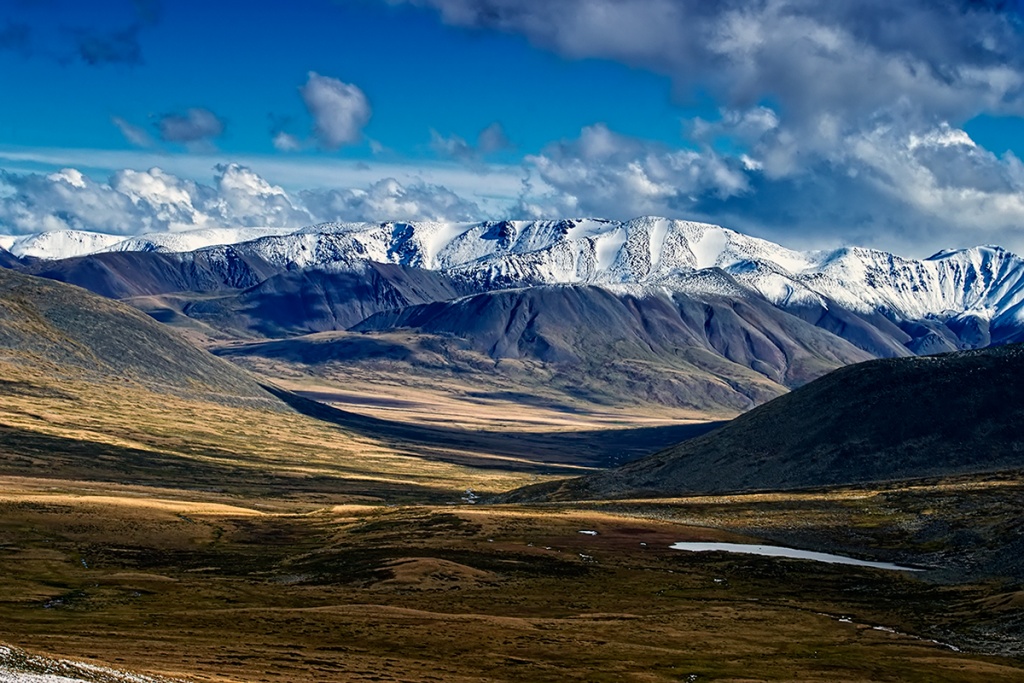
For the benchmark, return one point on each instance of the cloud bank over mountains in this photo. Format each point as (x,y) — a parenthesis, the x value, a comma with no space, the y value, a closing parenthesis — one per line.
(837,118)
(133,202)
(837,122)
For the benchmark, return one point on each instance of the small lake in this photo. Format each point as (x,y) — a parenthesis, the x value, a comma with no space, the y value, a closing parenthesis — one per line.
(793,553)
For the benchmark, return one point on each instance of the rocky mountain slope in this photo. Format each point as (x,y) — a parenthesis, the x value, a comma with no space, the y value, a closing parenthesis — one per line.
(984,283)
(711,354)
(120,275)
(62,244)
(299,302)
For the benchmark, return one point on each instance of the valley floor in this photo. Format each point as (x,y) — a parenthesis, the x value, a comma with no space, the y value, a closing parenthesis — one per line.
(216,587)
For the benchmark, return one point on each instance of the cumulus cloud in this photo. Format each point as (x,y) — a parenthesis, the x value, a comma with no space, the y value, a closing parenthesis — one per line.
(839,121)
(242,196)
(133,202)
(340,110)
(953,58)
(830,69)
(388,199)
(884,187)
(193,126)
(603,173)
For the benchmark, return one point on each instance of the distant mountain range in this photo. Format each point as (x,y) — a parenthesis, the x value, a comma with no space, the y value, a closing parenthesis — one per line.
(694,310)
(981,282)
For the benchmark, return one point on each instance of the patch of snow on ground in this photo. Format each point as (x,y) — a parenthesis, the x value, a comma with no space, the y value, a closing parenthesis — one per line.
(17,666)
(193,240)
(58,244)
(659,231)
(790,553)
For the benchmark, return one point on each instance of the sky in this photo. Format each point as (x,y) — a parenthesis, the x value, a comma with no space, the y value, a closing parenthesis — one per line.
(895,125)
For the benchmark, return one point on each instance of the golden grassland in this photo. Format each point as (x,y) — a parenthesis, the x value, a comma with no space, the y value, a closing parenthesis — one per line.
(220,540)
(190,585)
(477,401)
(156,437)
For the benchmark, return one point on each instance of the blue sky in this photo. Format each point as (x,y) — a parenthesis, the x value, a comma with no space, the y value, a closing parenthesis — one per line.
(808,122)
(247,65)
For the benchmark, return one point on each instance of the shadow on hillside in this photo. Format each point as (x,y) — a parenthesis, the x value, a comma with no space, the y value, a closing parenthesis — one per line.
(31,454)
(548,452)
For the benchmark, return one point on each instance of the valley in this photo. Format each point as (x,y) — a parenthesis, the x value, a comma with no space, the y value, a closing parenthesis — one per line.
(216,587)
(377,471)
(512,341)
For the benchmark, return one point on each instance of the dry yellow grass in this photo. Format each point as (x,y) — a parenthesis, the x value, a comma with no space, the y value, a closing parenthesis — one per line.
(433,400)
(192,587)
(241,442)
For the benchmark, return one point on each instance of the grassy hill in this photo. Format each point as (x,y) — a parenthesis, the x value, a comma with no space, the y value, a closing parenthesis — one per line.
(95,390)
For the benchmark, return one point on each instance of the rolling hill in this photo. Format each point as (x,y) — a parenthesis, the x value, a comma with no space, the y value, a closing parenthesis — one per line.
(884,420)
(61,330)
(95,390)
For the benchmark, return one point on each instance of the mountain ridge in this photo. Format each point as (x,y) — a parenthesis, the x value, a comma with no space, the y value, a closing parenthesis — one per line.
(985,282)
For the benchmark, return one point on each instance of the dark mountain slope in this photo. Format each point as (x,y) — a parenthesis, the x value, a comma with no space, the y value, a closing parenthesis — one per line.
(119,275)
(572,325)
(305,301)
(9,260)
(884,420)
(58,330)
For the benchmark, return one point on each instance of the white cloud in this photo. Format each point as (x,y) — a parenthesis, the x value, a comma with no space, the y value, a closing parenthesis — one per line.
(134,202)
(244,198)
(340,110)
(286,142)
(952,59)
(821,104)
(388,199)
(602,173)
(499,187)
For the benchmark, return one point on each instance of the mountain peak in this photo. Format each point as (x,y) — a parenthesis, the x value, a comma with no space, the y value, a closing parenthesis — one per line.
(647,252)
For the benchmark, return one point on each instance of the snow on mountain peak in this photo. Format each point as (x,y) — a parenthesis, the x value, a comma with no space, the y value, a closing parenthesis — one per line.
(646,253)
(62,244)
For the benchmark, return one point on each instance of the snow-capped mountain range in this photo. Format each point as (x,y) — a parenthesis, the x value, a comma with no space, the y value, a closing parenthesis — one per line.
(638,255)
(62,244)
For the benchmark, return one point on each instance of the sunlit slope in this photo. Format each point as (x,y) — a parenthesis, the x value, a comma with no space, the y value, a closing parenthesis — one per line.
(93,389)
